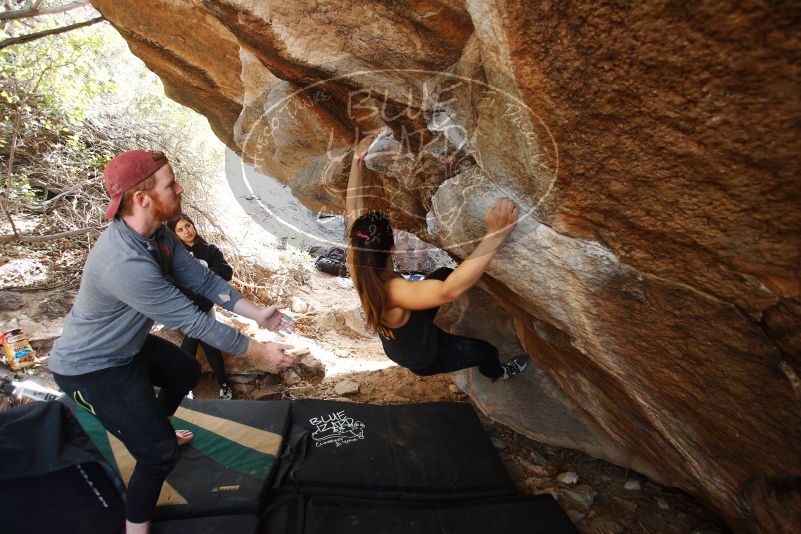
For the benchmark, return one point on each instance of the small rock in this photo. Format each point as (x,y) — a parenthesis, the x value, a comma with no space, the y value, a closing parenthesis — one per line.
(569,478)
(534,469)
(316,250)
(297,351)
(290,377)
(498,444)
(575,516)
(10,301)
(298,305)
(605,525)
(354,321)
(632,484)
(33,330)
(537,458)
(310,367)
(240,379)
(662,503)
(346,387)
(302,390)
(10,324)
(269,393)
(583,495)
(342,353)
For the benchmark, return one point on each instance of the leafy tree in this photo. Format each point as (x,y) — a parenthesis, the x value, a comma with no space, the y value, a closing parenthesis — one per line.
(68,103)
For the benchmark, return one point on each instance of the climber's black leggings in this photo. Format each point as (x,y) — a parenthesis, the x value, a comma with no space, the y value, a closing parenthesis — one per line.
(213,355)
(460,352)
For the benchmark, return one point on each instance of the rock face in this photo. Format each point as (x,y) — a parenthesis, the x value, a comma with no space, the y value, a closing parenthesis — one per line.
(655,274)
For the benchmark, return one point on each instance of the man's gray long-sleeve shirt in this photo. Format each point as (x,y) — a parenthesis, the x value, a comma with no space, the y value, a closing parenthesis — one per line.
(123,291)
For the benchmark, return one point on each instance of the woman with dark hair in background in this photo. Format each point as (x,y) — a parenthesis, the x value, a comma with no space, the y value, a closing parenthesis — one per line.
(211,257)
(402,312)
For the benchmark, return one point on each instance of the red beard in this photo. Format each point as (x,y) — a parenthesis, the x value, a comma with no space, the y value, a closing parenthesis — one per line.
(162,212)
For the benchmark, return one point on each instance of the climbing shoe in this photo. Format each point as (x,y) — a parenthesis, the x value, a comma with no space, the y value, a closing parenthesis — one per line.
(514,366)
(226,393)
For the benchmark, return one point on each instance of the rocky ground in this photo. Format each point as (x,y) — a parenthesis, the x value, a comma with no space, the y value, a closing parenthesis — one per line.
(337,359)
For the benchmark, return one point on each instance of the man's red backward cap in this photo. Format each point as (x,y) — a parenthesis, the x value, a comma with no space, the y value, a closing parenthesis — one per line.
(125,171)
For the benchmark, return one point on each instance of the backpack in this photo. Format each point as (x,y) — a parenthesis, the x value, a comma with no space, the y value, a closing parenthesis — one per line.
(333,262)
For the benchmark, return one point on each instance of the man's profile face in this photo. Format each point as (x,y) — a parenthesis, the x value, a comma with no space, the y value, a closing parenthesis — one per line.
(166,195)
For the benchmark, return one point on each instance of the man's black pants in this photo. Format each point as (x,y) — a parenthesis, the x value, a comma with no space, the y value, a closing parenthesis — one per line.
(122,398)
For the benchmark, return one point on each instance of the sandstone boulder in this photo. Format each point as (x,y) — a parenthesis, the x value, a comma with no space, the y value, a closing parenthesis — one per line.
(653,150)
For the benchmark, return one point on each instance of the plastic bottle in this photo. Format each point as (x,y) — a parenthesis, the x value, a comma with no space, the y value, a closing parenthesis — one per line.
(34,391)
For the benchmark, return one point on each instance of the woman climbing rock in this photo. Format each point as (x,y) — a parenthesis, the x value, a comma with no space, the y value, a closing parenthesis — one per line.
(402,312)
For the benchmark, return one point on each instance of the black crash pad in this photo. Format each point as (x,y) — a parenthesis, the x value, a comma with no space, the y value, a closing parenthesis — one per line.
(434,451)
(339,515)
(52,478)
(221,524)
(225,469)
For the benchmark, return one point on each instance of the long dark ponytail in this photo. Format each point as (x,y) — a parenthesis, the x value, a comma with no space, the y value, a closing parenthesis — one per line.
(370,243)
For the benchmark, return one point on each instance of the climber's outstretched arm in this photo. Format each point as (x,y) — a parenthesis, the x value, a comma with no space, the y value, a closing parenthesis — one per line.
(500,221)
(354,196)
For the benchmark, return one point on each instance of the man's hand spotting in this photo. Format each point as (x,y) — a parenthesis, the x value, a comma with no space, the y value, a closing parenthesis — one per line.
(272,354)
(272,319)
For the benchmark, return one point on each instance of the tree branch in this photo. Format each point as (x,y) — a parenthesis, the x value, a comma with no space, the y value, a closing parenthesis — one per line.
(12,150)
(36,10)
(11,41)
(32,238)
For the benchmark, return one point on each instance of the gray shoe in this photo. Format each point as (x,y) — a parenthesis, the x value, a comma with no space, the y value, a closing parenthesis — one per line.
(514,366)
(226,393)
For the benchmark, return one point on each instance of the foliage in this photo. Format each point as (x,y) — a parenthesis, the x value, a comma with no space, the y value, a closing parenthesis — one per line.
(68,103)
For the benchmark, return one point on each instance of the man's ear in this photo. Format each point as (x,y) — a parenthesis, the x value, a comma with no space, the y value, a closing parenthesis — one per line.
(141,199)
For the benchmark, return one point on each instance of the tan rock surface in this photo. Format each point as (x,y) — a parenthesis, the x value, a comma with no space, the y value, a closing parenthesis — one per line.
(193,53)
(655,279)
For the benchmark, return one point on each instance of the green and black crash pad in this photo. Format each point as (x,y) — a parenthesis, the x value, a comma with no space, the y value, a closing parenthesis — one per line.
(340,515)
(225,469)
(52,478)
(434,451)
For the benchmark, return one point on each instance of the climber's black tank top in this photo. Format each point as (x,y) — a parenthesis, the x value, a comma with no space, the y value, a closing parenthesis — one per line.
(413,345)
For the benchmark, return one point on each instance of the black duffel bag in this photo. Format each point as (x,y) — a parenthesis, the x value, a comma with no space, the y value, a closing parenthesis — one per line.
(333,262)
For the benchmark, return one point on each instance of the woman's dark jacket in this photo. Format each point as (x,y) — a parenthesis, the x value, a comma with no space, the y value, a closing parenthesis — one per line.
(216,264)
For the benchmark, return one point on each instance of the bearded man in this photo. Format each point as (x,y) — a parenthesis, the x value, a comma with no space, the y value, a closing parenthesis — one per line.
(107,360)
